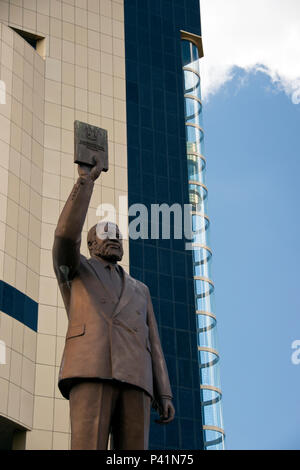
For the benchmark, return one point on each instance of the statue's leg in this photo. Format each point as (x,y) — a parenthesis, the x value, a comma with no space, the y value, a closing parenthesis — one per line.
(91,407)
(131,420)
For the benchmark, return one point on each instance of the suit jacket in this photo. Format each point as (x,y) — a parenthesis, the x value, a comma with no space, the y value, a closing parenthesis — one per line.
(107,337)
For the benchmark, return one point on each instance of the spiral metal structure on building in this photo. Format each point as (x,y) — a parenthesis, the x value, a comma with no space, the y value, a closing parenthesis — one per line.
(208,356)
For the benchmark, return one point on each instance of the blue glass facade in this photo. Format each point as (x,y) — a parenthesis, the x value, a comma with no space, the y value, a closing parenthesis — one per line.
(157,174)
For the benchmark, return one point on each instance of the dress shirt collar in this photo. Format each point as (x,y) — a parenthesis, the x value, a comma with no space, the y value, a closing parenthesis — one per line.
(109,264)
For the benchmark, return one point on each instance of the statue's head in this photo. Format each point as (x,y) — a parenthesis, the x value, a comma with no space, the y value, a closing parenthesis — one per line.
(105,241)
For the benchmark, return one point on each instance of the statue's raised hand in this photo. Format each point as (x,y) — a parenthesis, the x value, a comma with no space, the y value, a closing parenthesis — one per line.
(90,171)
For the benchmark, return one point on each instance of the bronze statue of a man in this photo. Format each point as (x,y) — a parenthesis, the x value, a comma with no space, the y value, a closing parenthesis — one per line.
(113,365)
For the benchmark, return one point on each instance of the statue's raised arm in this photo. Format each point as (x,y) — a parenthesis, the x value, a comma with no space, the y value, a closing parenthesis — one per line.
(91,157)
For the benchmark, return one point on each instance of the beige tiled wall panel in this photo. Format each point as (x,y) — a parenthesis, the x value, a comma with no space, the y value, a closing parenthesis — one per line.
(84,79)
(21,171)
(21,168)
(17,376)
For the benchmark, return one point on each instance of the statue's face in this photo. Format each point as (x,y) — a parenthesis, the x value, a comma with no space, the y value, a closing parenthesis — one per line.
(106,242)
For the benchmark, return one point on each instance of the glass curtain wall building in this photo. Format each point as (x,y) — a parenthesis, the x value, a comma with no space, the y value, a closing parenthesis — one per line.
(164,111)
(210,389)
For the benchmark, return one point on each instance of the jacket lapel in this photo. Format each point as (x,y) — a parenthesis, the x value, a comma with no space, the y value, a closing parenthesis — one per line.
(129,286)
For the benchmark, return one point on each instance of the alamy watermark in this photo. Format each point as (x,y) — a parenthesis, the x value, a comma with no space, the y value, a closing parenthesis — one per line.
(295,357)
(2,92)
(2,352)
(153,222)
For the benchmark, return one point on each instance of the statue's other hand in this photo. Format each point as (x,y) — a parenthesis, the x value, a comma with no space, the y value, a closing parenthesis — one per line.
(166,411)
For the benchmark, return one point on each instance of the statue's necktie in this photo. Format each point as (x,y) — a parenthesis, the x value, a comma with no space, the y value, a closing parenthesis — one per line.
(116,278)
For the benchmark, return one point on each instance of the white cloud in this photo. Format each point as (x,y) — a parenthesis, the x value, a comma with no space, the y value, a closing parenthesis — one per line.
(255,35)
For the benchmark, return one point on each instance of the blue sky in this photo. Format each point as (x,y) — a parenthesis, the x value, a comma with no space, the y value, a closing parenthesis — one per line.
(251,88)
(253,173)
